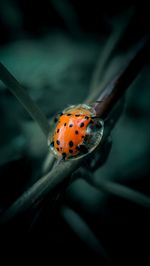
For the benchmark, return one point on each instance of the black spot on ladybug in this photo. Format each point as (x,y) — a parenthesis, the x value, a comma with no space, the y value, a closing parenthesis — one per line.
(71,125)
(70,143)
(65,124)
(58,130)
(86,117)
(76,132)
(58,142)
(68,114)
(82,124)
(71,151)
(52,144)
(64,155)
(82,137)
(77,115)
(58,149)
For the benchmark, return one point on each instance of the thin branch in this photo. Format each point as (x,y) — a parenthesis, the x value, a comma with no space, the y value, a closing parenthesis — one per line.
(121,191)
(125,192)
(40,189)
(114,90)
(30,106)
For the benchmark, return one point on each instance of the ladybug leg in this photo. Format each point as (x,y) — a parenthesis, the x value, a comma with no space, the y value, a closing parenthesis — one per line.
(52,144)
(92,163)
(93,103)
(64,155)
(82,148)
(56,118)
(100,157)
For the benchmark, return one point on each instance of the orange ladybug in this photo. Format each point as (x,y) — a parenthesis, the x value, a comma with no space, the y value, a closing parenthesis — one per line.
(77,132)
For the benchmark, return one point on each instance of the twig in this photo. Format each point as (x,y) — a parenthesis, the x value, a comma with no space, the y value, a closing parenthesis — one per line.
(30,106)
(121,191)
(125,192)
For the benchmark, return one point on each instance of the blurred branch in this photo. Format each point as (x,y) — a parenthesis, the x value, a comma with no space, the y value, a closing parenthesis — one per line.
(119,28)
(66,11)
(108,99)
(115,89)
(120,191)
(40,189)
(81,228)
(23,97)
(125,192)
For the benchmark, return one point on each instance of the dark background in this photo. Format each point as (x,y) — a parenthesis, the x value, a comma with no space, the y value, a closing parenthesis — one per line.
(52,47)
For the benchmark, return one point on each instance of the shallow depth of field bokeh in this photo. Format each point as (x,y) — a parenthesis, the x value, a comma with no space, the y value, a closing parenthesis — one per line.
(52,48)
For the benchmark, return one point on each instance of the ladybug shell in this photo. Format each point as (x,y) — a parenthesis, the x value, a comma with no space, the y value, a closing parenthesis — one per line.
(76,132)
(70,132)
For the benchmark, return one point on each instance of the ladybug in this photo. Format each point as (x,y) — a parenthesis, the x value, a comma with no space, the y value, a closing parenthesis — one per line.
(77,132)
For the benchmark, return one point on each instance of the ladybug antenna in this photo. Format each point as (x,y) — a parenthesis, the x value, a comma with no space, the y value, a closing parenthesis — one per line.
(99,101)
(95,116)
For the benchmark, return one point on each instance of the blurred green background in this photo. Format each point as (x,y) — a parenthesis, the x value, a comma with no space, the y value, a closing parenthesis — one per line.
(52,47)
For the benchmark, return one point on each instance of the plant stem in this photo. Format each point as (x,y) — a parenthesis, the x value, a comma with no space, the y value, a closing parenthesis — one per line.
(115,89)
(122,192)
(40,189)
